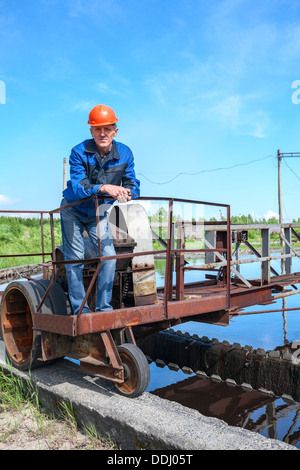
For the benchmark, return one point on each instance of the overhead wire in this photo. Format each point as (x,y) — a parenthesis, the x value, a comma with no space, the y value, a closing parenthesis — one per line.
(297,179)
(291,169)
(206,171)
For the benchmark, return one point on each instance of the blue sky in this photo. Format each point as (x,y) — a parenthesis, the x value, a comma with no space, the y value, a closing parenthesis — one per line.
(201,89)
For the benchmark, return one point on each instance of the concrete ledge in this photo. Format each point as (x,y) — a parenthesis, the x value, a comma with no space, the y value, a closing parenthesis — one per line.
(147,422)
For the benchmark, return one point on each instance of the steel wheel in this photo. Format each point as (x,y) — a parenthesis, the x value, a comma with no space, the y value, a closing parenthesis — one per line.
(22,343)
(136,370)
(19,303)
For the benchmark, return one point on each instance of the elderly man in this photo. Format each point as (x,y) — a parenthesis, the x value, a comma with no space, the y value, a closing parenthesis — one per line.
(97,166)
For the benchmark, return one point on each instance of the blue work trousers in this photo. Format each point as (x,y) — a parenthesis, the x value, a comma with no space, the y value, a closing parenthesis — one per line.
(72,225)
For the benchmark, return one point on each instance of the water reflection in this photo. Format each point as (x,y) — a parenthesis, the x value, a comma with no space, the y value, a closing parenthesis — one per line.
(272,417)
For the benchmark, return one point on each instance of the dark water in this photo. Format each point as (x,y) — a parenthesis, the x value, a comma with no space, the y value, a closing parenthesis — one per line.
(272,417)
(269,416)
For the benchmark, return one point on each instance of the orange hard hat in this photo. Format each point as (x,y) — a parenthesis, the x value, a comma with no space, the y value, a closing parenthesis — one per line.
(102,115)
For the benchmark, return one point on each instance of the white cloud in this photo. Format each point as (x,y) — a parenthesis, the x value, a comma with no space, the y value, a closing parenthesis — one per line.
(84,106)
(94,9)
(5,200)
(235,112)
(106,90)
(198,92)
(269,214)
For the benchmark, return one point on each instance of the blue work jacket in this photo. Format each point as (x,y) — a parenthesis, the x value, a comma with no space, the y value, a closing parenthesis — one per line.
(88,171)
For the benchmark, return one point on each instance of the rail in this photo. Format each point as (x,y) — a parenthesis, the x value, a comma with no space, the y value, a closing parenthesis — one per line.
(42,253)
(169,251)
(285,234)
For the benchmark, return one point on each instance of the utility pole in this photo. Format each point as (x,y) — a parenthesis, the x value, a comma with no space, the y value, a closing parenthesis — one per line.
(280,207)
(279,157)
(279,187)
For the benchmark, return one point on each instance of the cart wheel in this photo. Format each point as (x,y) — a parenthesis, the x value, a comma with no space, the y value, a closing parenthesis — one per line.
(136,370)
(19,303)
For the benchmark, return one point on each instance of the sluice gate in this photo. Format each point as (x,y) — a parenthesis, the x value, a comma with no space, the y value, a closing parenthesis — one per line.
(38,325)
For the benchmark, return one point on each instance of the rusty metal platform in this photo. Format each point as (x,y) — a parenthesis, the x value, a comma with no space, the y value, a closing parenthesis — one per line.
(207,301)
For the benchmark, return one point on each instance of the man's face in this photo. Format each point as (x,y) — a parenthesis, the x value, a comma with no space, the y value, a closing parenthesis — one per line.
(104,136)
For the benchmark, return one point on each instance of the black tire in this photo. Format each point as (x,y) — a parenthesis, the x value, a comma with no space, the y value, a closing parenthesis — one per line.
(59,303)
(19,303)
(136,371)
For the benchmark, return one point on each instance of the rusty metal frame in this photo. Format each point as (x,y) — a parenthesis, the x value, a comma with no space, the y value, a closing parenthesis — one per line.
(169,309)
(75,326)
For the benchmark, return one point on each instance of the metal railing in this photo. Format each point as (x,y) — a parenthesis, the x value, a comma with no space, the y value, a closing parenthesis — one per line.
(175,255)
(43,254)
(169,251)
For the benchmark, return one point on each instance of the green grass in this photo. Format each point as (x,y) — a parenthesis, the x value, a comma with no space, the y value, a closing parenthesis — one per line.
(23,236)
(19,404)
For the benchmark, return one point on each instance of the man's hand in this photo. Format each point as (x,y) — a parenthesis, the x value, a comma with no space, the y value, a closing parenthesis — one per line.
(117,192)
